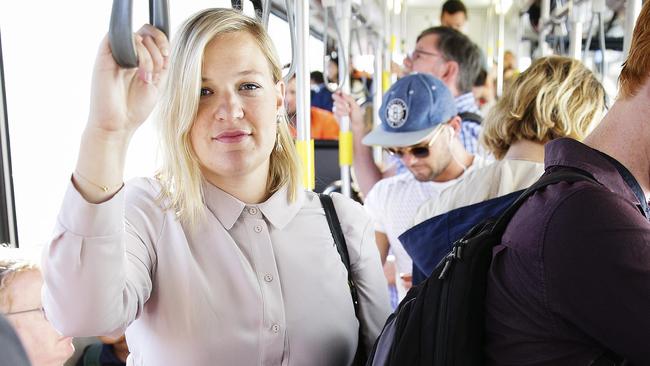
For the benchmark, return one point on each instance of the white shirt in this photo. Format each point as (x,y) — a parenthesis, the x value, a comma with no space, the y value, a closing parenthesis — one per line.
(495,180)
(392,204)
(251,285)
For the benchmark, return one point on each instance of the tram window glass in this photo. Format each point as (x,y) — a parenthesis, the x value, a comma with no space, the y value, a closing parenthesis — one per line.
(279,30)
(48,60)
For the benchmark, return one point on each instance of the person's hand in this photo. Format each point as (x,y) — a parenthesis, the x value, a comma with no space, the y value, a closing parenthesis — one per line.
(407,280)
(121,99)
(345,105)
(398,70)
(408,66)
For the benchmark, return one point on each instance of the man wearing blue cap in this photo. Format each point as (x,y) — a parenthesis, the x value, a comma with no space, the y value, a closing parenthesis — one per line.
(420,125)
(451,57)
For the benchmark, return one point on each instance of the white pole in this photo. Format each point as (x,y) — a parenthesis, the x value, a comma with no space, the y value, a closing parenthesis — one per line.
(343,15)
(500,52)
(378,90)
(575,40)
(544,22)
(303,98)
(632,10)
(575,36)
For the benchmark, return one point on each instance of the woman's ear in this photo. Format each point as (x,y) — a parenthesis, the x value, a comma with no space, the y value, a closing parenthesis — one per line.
(279,88)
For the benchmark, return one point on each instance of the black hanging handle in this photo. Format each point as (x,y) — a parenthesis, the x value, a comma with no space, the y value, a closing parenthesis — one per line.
(120,31)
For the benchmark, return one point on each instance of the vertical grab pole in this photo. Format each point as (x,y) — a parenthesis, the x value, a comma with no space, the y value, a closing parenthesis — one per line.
(343,15)
(8,226)
(500,51)
(599,7)
(378,91)
(304,142)
(544,24)
(388,51)
(575,36)
(632,10)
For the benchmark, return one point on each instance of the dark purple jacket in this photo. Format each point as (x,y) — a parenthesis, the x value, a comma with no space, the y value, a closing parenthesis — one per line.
(571,277)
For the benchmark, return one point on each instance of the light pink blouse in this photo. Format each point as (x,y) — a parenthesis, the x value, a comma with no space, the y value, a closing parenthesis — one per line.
(251,285)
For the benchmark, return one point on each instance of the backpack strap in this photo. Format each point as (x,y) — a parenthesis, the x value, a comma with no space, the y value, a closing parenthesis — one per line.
(471,117)
(342,248)
(609,358)
(564,175)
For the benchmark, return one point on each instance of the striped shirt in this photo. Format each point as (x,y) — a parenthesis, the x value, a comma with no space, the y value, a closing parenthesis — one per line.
(470,130)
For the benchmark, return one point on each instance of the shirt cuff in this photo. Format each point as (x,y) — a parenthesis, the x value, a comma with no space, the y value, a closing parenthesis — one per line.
(87,219)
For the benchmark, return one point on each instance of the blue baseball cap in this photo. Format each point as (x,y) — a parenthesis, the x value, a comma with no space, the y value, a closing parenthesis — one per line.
(412,108)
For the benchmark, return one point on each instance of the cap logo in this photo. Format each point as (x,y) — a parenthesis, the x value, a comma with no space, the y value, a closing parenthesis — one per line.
(396,113)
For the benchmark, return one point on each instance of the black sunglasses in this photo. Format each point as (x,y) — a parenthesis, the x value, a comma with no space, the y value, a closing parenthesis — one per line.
(420,151)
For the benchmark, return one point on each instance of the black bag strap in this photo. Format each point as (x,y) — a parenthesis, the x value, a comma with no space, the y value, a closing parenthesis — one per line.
(342,248)
(609,358)
(471,117)
(563,175)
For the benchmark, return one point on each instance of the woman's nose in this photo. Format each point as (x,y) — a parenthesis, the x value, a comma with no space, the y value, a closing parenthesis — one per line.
(229,107)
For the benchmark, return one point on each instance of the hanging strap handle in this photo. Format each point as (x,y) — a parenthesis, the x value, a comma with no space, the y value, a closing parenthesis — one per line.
(120,31)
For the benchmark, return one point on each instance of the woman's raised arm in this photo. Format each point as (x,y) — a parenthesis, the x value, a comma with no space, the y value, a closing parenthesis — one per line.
(121,100)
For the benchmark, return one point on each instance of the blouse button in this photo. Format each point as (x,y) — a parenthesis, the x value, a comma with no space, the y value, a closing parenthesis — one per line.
(252,211)
(275,328)
(258,229)
(268,277)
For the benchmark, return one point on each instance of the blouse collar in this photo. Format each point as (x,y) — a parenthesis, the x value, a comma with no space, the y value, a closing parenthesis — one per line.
(277,209)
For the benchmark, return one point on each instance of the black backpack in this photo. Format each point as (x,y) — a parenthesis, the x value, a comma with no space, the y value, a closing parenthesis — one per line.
(441,322)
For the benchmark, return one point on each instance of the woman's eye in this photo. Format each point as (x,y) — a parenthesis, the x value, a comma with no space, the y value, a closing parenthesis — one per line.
(249,86)
(205,91)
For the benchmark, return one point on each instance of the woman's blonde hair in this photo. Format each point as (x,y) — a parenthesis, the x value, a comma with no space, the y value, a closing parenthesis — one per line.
(555,97)
(180,174)
(12,263)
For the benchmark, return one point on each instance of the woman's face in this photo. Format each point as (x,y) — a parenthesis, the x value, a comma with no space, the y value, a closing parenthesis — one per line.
(235,128)
(44,345)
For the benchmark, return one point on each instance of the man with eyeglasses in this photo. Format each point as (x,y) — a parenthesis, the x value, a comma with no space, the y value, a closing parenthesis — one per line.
(453,58)
(20,303)
(420,126)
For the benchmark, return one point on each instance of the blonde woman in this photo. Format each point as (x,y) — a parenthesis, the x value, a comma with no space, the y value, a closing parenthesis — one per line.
(222,259)
(555,97)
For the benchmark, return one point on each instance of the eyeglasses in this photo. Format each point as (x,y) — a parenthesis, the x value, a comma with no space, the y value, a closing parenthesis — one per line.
(416,54)
(28,311)
(419,151)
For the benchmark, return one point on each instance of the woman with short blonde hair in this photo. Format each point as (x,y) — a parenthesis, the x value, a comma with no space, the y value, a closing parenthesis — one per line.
(555,97)
(223,258)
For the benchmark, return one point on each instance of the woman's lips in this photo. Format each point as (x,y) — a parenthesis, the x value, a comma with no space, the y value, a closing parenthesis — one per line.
(232,137)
